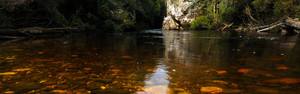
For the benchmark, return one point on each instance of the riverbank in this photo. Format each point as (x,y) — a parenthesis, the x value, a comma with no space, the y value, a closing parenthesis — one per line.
(36,32)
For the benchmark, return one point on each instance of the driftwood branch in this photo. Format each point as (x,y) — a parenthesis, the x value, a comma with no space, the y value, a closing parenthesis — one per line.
(269,28)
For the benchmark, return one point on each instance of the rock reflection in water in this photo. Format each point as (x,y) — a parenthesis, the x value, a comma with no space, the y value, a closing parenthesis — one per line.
(157,82)
(229,61)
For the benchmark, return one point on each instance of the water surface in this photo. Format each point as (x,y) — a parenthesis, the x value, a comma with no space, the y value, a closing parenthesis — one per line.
(152,62)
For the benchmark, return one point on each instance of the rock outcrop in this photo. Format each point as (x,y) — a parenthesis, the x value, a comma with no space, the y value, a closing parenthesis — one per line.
(180,14)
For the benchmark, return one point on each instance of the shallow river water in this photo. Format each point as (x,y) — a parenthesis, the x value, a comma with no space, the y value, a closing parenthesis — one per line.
(152,62)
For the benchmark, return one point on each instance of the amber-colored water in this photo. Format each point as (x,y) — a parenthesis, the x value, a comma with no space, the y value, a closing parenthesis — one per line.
(152,62)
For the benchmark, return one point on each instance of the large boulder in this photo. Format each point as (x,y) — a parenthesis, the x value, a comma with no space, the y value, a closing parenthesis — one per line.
(170,24)
(183,12)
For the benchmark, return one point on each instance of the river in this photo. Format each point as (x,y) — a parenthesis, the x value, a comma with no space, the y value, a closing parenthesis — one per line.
(152,62)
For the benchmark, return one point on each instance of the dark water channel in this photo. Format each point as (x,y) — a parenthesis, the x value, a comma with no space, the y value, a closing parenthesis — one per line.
(153,62)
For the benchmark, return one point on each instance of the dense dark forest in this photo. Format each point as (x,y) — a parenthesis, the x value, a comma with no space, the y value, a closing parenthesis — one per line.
(106,15)
(121,15)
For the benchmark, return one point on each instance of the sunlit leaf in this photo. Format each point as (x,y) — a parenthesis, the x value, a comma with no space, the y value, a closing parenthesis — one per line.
(8,73)
(284,80)
(211,89)
(22,69)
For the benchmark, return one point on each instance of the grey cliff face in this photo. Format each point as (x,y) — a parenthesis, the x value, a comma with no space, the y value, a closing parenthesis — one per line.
(180,14)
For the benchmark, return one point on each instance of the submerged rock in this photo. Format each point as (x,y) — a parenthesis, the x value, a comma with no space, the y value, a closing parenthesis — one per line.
(211,89)
(180,14)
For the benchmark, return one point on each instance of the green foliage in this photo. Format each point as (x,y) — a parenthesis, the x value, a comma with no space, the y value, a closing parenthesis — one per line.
(241,12)
(284,7)
(227,15)
(262,5)
(103,15)
(204,21)
(111,26)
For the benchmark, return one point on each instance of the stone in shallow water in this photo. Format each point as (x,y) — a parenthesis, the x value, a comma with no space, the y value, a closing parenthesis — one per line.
(211,89)
(245,71)
(59,91)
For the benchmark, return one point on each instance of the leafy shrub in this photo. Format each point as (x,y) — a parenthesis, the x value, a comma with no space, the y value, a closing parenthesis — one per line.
(204,21)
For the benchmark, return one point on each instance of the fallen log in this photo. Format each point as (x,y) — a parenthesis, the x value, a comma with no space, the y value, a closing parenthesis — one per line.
(292,23)
(285,22)
(269,28)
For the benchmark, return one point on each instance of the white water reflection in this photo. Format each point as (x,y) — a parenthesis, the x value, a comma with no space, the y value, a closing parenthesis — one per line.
(158,81)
